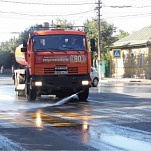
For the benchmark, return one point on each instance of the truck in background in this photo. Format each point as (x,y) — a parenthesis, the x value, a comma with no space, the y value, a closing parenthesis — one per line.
(56,61)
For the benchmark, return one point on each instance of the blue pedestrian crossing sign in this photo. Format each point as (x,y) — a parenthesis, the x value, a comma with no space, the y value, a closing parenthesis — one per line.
(117,53)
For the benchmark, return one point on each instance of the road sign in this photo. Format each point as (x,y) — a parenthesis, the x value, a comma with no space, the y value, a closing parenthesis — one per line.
(117,53)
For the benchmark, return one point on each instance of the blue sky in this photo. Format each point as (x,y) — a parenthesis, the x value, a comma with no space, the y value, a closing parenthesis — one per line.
(16,15)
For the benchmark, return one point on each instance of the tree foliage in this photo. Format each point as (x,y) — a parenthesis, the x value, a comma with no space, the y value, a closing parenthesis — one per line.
(107,38)
(122,34)
(7,53)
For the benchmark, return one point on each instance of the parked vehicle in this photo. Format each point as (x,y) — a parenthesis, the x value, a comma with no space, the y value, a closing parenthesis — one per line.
(94,77)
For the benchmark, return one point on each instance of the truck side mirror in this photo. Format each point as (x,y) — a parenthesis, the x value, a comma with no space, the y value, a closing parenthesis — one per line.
(24,43)
(24,49)
(92,44)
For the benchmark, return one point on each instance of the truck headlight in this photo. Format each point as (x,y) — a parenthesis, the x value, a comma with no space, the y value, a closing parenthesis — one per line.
(38,83)
(85,82)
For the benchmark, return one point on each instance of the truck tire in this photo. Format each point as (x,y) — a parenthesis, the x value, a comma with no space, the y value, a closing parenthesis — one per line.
(32,93)
(84,95)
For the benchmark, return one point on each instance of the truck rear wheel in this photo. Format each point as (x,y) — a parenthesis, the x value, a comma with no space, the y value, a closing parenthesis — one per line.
(20,93)
(84,94)
(30,93)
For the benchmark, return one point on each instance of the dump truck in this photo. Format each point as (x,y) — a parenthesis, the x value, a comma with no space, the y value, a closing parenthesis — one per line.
(55,61)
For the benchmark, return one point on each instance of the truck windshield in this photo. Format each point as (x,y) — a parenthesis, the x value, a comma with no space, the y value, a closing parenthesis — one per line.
(59,43)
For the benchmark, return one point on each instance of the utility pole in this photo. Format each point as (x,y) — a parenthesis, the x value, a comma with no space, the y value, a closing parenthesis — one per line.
(99,40)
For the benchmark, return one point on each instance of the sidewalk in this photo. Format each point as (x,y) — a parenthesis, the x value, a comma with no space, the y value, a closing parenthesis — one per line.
(5,75)
(125,80)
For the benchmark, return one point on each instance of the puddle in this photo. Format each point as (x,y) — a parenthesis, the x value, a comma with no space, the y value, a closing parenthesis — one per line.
(40,119)
(103,137)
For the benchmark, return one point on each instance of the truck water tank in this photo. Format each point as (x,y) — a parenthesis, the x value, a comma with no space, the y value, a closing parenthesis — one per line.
(20,56)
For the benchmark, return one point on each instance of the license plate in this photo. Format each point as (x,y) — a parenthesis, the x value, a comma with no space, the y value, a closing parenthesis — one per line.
(61,72)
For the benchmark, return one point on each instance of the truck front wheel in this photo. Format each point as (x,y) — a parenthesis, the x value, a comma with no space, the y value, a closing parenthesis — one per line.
(84,94)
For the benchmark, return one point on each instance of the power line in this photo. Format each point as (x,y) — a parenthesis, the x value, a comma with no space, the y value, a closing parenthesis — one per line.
(126,6)
(46,14)
(134,15)
(31,3)
(84,14)
(38,15)
(11,32)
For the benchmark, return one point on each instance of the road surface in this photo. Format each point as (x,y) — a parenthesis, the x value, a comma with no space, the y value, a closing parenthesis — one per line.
(116,116)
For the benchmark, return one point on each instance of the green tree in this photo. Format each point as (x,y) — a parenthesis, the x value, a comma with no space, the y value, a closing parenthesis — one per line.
(122,34)
(107,38)
(6,59)
(64,22)
(7,53)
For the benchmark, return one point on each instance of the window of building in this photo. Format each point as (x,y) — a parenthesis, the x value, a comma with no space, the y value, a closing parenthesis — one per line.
(132,60)
(124,59)
(141,59)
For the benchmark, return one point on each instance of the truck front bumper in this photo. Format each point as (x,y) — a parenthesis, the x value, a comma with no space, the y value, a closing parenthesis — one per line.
(54,83)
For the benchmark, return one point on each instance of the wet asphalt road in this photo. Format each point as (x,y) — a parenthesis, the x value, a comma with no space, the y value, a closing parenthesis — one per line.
(116,117)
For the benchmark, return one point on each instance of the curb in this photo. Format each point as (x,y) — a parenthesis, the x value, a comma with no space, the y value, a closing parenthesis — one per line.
(143,81)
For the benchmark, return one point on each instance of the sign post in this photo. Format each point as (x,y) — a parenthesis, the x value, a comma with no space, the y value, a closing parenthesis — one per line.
(116,55)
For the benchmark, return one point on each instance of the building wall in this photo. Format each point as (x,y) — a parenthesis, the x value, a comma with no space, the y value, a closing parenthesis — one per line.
(134,62)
